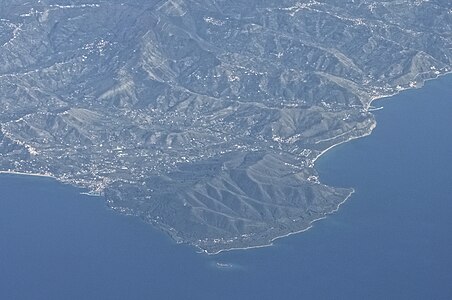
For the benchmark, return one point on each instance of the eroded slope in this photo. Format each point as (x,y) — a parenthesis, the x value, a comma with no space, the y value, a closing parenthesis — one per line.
(204,117)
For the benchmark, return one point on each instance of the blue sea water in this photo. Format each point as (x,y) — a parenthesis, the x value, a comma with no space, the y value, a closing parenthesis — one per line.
(391,240)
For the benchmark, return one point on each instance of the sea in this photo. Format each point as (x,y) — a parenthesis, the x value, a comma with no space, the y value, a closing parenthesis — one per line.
(391,240)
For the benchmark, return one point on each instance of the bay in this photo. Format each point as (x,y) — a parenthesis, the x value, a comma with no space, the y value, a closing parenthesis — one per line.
(391,240)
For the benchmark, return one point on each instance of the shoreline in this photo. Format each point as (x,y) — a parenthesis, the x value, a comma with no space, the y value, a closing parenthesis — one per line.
(371,128)
(49,176)
(270,244)
(410,88)
(29,174)
(367,108)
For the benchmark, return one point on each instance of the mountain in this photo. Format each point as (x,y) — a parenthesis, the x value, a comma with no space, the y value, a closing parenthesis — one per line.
(205,117)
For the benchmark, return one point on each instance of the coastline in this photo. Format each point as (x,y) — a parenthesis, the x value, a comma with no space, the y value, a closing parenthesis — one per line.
(49,176)
(372,127)
(312,164)
(415,87)
(368,108)
(30,174)
(310,225)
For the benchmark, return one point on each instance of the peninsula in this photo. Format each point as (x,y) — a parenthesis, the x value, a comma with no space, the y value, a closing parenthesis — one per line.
(205,117)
